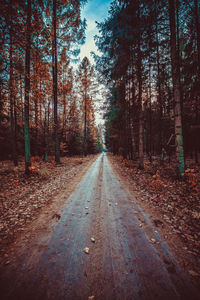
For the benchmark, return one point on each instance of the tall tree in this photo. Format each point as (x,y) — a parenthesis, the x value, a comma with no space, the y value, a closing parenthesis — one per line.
(86,86)
(55,82)
(176,89)
(139,77)
(11,91)
(27,88)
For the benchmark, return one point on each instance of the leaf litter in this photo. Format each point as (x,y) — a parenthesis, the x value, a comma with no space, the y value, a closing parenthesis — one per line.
(174,205)
(22,197)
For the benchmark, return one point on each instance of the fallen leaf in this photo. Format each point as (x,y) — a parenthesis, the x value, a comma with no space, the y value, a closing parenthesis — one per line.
(193,273)
(86,250)
(153,240)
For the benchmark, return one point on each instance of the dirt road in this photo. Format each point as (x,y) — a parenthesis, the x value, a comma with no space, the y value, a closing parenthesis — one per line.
(123,261)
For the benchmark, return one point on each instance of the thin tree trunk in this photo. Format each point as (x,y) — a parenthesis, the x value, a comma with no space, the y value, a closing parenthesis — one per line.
(132,119)
(11,93)
(85,126)
(64,104)
(15,132)
(150,117)
(176,89)
(47,133)
(36,109)
(36,122)
(139,77)
(129,119)
(159,98)
(27,90)
(55,84)
(141,125)
(198,74)
(21,98)
(64,117)
(197,34)
(178,51)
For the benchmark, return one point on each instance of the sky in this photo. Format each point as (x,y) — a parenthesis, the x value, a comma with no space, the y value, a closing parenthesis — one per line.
(94,10)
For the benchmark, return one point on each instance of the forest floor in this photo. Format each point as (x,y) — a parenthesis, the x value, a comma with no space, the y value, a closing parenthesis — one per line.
(23,198)
(99,234)
(173,206)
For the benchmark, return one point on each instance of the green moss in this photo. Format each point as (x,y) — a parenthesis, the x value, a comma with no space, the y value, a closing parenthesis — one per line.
(27,144)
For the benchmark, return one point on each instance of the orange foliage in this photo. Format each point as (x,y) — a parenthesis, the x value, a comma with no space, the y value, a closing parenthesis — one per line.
(193,180)
(34,168)
(157,182)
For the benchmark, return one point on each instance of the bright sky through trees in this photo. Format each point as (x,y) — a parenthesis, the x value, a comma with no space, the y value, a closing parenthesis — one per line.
(94,10)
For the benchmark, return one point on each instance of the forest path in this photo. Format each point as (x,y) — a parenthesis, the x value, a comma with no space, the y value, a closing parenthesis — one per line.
(122,262)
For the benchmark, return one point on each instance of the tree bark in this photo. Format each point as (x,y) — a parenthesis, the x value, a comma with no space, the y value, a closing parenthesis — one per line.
(141,127)
(85,125)
(55,83)
(11,93)
(159,97)
(176,90)
(27,90)
(150,116)
(198,72)
(47,132)
(133,144)
(197,35)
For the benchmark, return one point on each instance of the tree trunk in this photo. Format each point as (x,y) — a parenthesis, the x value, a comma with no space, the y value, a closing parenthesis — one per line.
(176,90)
(141,125)
(27,90)
(197,35)
(64,117)
(159,98)
(11,94)
(85,126)
(47,133)
(133,143)
(129,118)
(15,131)
(150,117)
(198,70)
(21,98)
(55,84)
(36,123)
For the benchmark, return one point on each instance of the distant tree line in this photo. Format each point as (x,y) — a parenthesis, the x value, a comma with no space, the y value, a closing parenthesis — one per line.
(46,107)
(151,64)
